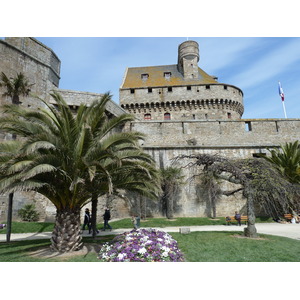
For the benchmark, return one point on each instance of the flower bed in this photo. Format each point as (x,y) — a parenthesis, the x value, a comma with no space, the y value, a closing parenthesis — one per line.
(143,245)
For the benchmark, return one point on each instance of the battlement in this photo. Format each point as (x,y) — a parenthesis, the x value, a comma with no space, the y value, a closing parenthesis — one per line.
(185,102)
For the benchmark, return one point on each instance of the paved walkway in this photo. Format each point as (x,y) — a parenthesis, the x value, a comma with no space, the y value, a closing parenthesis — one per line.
(286,230)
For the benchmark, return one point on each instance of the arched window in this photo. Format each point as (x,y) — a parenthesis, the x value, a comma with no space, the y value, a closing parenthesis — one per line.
(167,116)
(147,116)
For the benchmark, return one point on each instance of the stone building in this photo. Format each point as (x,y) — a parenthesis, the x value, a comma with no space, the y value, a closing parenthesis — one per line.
(180,108)
(183,110)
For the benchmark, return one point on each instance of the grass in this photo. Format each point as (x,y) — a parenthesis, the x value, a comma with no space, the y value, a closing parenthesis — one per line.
(20,251)
(163,222)
(196,246)
(25,227)
(227,247)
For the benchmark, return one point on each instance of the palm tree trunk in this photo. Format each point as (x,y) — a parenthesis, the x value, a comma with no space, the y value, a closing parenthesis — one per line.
(94,215)
(66,236)
(10,208)
(9,217)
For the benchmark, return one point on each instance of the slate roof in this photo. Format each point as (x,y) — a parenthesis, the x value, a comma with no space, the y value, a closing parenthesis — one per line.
(133,79)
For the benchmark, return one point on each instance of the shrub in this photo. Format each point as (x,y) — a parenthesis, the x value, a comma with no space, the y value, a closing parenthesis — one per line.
(143,245)
(28,213)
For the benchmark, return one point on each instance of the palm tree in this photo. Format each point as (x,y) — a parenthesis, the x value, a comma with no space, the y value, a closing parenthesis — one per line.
(171,179)
(15,87)
(286,159)
(67,158)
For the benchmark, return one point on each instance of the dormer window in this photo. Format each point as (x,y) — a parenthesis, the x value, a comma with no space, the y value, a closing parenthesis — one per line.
(167,75)
(145,76)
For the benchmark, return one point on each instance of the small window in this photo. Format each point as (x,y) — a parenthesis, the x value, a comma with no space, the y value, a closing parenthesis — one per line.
(225,87)
(131,91)
(147,116)
(248,126)
(145,76)
(170,89)
(167,75)
(167,116)
(149,90)
(206,116)
(189,88)
(207,87)
(229,115)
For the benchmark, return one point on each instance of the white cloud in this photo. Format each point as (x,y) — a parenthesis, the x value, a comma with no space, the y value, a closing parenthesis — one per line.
(270,64)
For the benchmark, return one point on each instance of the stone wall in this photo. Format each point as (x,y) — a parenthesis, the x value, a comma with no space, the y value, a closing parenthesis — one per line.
(75,98)
(234,133)
(39,64)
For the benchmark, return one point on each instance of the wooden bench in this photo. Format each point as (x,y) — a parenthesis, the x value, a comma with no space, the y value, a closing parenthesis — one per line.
(288,217)
(232,219)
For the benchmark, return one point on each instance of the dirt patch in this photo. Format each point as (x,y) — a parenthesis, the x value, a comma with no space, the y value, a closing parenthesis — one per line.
(245,237)
(47,252)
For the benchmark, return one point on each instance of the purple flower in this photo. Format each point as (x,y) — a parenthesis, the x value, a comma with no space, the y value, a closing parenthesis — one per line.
(141,245)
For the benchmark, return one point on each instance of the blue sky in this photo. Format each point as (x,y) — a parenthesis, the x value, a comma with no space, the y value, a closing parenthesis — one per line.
(254,64)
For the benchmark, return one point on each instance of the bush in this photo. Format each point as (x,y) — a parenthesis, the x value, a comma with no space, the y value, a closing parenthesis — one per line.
(28,213)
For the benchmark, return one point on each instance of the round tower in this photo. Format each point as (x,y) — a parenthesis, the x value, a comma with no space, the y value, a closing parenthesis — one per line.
(188,57)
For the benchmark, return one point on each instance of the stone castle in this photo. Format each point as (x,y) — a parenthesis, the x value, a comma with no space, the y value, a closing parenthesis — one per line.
(180,108)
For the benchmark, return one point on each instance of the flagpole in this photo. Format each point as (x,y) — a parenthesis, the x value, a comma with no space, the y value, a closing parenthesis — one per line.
(284,109)
(281,94)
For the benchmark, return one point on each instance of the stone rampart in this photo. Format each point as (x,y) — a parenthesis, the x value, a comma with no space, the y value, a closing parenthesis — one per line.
(219,133)
(36,61)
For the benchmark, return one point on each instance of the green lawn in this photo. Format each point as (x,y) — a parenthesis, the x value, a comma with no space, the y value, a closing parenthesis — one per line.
(20,251)
(227,247)
(196,246)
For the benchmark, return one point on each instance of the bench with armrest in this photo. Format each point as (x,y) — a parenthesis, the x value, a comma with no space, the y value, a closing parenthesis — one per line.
(232,219)
(288,217)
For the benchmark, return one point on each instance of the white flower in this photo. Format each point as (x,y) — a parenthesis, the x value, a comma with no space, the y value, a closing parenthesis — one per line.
(164,254)
(164,248)
(144,239)
(159,239)
(142,250)
(121,255)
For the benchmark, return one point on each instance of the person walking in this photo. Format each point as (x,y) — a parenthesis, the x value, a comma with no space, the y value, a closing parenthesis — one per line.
(106,218)
(87,220)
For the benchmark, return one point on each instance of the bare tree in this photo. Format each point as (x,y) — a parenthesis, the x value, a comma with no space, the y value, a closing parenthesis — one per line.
(262,184)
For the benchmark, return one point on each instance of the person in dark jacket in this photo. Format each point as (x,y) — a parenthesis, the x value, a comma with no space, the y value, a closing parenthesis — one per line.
(238,218)
(87,220)
(106,218)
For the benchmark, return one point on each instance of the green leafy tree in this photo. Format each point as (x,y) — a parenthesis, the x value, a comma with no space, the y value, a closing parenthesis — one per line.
(286,159)
(68,158)
(14,88)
